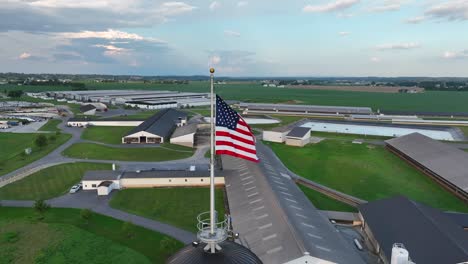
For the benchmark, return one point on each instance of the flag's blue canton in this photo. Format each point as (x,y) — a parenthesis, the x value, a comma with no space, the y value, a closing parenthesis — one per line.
(225,115)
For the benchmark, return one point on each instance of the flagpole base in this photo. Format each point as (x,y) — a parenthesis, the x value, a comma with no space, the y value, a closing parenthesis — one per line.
(212,239)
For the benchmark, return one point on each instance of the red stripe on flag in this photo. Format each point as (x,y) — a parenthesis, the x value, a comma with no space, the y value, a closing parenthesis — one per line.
(227,134)
(230,144)
(237,155)
(243,132)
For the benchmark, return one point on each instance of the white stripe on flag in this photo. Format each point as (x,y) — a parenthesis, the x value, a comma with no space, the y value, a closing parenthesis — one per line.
(235,142)
(244,128)
(235,133)
(238,151)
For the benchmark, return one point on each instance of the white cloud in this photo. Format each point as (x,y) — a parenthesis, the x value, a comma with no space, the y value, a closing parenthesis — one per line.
(242,3)
(375,59)
(175,8)
(387,5)
(399,46)
(344,33)
(231,33)
(451,10)
(455,55)
(70,4)
(24,56)
(330,7)
(415,20)
(110,34)
(215,60)
(111,50)
(214,5)
(344,15)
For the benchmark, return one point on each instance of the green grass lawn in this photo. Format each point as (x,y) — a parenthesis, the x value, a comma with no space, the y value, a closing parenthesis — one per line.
(50,182)
(348,137)
(365,171)
(143,115)
(175,206)
(109,135)
(95,151)
(14,144)
(323,202)
(64,237)
(51,125)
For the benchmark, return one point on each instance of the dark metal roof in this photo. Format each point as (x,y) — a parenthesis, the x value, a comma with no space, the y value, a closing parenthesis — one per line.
(231,253)
(288,127)
(427,233)
(298,132)
(88,107)
(101,175)
(308,108)
(442,159)
(161,124)
(185,130)
(105,184)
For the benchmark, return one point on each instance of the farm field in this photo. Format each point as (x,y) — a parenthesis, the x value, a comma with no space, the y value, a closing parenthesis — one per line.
(143,115)
(14,144)
(108,135)
(323,202)
(354,88)
(51,125)
(50,182)
(175,206)
(365,171)
(95,151)
(438,101)
(62,236)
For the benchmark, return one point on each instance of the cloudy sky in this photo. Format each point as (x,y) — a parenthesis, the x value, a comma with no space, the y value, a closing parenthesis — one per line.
(239,38)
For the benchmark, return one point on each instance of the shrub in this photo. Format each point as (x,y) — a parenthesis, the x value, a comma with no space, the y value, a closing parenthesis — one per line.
(41,206)
(41,141)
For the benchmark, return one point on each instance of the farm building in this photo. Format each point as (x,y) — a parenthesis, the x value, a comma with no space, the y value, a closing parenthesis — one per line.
(429,235)
(278,134)
(157,129)
(384,129)
(151,104)
(85,122)
(445,164)
(4,125)
(106,181)
(88,109)
(298,136)
(303,109)
(184,135)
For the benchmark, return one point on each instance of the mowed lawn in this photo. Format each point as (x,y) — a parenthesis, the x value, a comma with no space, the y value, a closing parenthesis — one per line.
(365,171)
(64,237)
(14,144)
(175,206)
(50,182)
(100,152)
(108,135)
(323,202)
(51,125)
(284,120)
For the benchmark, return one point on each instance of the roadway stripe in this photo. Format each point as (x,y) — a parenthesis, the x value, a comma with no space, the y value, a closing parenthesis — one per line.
(295,207)
(274,250)
(244,173)
(303,216)
(304,224)
(252,194)
(314,236)
(265,226)
(284,188)
(246,178)
(279,182)
(285,193)
(247,183)
(262,216)
(291,200)
(276,177)
(258,208)
(269,237)
(323,248)
(250,188)
(255,201)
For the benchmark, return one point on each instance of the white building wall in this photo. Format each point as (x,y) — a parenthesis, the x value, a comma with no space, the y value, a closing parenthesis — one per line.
(105,123)
(90,112)
(376,130)
(185,140)
(88,185)
(168,182)
(273,136)
(142,134)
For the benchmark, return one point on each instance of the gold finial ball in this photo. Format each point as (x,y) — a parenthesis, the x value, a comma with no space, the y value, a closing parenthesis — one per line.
(212,70)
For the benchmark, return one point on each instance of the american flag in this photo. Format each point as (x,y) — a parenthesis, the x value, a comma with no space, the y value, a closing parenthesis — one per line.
(233,135)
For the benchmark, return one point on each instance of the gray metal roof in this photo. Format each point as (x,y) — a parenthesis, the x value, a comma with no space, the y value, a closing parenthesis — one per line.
(185,130)
(308,108)
(88,107)
(298,132)
(289,127)
(427,233)
(166,174)
(448,162)
(161,124)
(101,175)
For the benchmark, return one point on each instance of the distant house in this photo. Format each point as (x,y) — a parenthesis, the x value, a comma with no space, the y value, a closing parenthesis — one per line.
(88,109)
(157,129)
(184,135)
(430,235)
(102,181)
(298,136)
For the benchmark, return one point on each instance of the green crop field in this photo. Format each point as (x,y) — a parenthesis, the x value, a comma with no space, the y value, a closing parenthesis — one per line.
(51,125)
(95,151)
(50,182)
(143,115)
(62,236)
(323,202)
(109,135)
(365,171)
(443,101)
(14,144)
(175,206)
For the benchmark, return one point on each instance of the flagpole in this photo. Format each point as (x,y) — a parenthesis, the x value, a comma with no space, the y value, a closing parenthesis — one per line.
(212,150)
